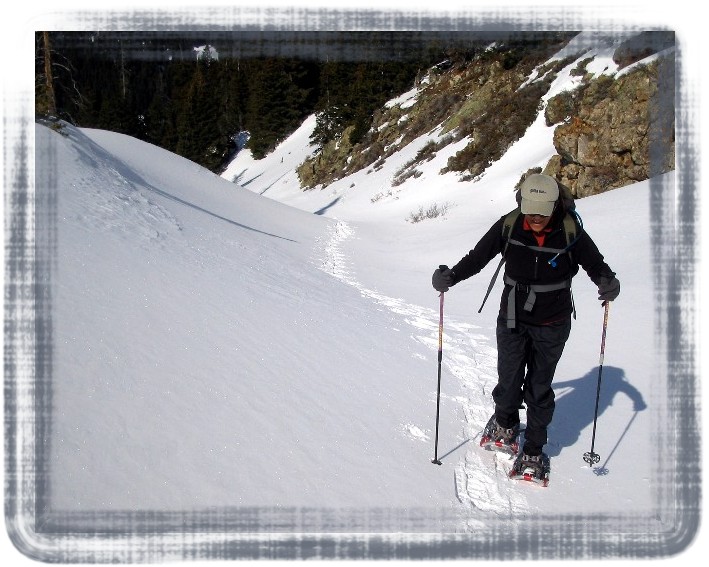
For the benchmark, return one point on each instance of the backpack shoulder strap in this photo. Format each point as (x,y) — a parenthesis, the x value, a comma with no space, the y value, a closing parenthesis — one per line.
(508,223)
(569,228)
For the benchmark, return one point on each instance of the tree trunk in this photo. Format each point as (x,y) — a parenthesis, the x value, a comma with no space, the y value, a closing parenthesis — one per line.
(49,77)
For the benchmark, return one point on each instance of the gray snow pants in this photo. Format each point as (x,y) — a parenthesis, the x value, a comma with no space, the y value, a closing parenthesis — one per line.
(526,361)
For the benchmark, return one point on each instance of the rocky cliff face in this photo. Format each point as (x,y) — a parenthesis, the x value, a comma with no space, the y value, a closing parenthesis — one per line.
(614,132)
(611,131)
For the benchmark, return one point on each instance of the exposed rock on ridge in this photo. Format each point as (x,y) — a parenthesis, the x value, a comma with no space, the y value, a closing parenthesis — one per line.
(611,131)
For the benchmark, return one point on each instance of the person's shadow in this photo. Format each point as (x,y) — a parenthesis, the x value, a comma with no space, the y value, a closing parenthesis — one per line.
(575,406)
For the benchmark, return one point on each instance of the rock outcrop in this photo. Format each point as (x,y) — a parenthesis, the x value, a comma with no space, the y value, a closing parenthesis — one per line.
(612,130)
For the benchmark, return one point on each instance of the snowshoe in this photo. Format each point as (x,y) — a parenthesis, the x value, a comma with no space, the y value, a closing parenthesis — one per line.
(497,438)
(531,468)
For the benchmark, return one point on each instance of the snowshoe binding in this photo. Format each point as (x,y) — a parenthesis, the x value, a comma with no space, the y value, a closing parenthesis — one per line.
(497,438)
(532,468)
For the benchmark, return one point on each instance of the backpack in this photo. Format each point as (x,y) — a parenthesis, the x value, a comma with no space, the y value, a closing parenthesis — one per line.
(571,219)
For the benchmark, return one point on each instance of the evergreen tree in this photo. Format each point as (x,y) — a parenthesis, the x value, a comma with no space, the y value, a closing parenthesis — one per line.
(57,91)
(45,97)
(196,125)
(195,107)
(232,104)
(276,103)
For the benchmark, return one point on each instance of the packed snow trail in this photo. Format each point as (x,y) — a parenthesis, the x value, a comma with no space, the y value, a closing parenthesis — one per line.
(480,476)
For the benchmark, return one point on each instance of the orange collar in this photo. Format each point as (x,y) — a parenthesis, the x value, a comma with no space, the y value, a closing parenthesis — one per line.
(540,236)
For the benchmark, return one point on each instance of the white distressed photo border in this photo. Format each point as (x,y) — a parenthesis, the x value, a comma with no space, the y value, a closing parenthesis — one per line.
(157,536)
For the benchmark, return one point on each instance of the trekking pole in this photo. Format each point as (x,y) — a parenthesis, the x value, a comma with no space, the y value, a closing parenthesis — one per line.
(591,457)
(440,359)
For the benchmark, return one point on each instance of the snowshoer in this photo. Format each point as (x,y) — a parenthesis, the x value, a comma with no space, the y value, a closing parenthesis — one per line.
(534,319)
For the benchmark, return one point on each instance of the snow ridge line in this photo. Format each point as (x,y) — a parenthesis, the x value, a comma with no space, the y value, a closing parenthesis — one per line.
(480,477)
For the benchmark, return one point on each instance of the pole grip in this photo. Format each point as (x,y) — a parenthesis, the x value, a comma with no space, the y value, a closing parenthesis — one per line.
(606,305)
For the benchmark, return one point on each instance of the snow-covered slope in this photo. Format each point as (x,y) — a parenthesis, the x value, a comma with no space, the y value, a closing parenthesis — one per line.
(392,260)
(202,338)
(217,349)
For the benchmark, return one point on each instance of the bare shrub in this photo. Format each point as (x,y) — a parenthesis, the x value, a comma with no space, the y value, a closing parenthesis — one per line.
(433,211)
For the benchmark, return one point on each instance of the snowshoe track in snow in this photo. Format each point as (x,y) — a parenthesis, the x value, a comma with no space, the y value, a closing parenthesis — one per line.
(481,478)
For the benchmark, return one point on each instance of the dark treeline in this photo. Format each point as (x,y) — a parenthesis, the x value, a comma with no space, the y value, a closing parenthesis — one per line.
(155,87)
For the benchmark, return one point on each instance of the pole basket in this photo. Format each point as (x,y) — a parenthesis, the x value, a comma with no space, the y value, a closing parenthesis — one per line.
(591,458)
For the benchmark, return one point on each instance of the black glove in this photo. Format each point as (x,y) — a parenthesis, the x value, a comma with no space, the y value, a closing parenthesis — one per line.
(608,288)
(442,278)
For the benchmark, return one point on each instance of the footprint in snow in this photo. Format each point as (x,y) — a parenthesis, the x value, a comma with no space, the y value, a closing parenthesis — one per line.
(415,432)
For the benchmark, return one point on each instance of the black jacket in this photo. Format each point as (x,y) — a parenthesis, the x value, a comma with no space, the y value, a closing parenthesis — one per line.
(527,266)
